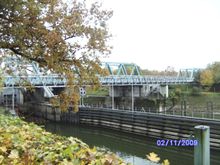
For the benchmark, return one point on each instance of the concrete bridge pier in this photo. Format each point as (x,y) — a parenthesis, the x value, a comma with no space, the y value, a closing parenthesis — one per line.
(125,91)
(164,90)
(138,91)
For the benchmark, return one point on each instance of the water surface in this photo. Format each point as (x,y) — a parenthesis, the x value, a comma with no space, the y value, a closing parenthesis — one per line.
(131,148)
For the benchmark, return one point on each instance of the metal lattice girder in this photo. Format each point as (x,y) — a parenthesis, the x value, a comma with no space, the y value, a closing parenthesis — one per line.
(58,81)
(36,80)
(121,69)
(16,64)
(142,80)
(115,68)
(47,90)
(190,72)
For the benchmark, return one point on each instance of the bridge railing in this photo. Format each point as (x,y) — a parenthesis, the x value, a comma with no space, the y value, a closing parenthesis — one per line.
(36,80)
(141,80)
(56,80)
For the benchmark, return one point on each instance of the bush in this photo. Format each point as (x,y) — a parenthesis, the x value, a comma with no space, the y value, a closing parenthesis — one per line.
(23,143)
(196,91)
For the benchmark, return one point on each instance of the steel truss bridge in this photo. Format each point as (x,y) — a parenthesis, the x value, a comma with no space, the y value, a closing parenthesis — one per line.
(122,80)
(120,74)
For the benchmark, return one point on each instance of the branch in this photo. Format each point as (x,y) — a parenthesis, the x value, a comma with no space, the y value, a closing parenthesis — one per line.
(69,37)
(27,57)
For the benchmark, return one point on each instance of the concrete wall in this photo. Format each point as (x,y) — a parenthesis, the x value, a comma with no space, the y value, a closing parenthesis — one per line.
(141,123)
(48,112)
(6,96)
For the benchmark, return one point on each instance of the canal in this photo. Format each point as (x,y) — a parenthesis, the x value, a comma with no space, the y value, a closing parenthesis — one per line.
(131,148)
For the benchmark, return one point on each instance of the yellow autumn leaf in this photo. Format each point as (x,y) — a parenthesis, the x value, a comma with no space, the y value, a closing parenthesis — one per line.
(1,159)
(26,127)
(166,162)
(3,149)
(153,157)
(14,154)
(59,143)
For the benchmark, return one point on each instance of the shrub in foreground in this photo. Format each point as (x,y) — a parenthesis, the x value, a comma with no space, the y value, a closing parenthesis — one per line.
(23,143)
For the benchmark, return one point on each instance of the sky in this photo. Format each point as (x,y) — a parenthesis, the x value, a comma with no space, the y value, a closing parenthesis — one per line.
(155,34)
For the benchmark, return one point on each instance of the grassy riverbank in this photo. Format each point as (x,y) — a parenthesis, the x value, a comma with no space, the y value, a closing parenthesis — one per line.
(27,143)
(203,98)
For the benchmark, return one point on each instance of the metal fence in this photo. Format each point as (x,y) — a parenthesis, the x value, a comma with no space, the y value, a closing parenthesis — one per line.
(195,112)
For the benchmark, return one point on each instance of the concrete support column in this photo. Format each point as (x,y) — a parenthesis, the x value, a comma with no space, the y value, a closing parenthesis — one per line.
(164,90)
(113,99)
(13,98)
(132,97)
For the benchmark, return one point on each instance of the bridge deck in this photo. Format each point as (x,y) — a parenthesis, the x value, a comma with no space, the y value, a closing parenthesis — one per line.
(119,80)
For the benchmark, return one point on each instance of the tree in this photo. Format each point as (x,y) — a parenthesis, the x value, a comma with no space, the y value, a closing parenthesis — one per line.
(66,38)
(206,77)
(215,68)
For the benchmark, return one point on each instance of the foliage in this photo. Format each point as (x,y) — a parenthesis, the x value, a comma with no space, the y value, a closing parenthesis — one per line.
(215,68)
(102,91)
(207,77)
(178,91)
(66,37)
(174,96)
(154,158)
(1,81)
(22,143)
(196,91)
(210,75)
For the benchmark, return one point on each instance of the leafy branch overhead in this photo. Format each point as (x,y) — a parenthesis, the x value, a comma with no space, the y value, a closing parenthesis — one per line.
(66,37)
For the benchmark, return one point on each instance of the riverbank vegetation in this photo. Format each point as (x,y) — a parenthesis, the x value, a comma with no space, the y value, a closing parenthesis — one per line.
(26,143)
(193,94)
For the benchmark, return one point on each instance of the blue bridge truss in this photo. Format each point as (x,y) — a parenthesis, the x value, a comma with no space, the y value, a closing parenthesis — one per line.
(119,74)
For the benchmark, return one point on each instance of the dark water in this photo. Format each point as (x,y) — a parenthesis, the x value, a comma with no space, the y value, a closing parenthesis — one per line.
(130,147)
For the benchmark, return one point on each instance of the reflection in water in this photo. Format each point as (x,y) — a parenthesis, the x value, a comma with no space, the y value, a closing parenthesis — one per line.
(130,147)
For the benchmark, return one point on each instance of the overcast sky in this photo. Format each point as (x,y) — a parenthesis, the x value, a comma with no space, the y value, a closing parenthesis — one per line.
(159,33)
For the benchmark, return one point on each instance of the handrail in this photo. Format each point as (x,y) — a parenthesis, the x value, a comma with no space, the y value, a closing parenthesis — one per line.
(57,80)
